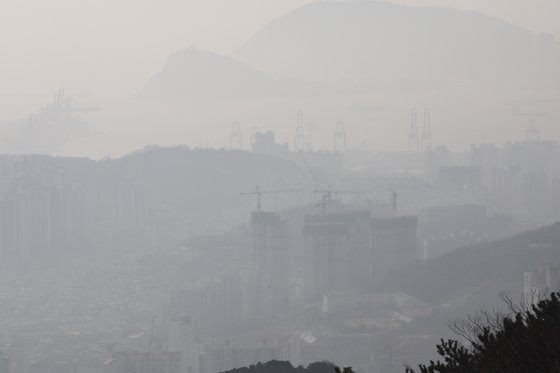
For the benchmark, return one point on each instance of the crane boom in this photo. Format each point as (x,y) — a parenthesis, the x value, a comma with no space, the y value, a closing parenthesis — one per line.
(308,167)
(258,192)
(326,196)
(151,334)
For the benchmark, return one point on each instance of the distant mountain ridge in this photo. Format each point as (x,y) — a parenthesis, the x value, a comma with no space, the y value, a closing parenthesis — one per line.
(374,40)
(359,46)
(194,72)
(199,185)
(475,275)
(200,73)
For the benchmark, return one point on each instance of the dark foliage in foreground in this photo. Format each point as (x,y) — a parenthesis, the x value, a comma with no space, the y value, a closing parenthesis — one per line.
(276,366)
(524,342)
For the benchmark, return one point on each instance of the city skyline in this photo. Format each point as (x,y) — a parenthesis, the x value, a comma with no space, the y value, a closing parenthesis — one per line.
(279,186)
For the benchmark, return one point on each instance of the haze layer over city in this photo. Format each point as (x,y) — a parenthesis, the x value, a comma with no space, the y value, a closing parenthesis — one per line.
(200,186)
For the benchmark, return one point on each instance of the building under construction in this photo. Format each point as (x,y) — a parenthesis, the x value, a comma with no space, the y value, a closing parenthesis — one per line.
(350,250)
(271,260)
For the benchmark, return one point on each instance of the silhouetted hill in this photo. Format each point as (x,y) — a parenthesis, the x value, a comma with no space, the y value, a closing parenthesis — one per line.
(199,188)
(197,73)
(276,366)
(473,276)
(375,40)
(192,72)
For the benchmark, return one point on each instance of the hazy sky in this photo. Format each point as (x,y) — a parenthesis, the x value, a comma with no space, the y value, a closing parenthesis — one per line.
(104,45)
(110,48)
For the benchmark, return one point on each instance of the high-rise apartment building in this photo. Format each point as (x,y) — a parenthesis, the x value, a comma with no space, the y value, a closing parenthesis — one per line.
(393,244)
(271,260)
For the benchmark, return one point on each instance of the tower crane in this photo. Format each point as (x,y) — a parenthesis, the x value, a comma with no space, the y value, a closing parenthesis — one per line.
(326,196)
(326,199)
(258,193)
(151,334)
(394,199)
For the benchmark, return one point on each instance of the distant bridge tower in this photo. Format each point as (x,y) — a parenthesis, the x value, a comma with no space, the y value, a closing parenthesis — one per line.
(299,137)
(426,139)
(413,136)
(235,137)
(533,132)
(340,137)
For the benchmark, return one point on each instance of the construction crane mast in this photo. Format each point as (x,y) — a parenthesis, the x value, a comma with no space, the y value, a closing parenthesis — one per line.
(151,333)
(259,193)
(327,194)
(326,199)
(394,201)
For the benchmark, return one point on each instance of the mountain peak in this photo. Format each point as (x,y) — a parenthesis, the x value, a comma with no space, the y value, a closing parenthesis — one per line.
(375,40)
(194,72)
